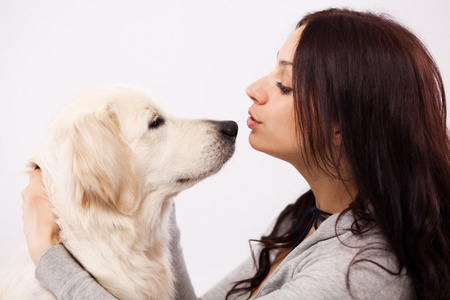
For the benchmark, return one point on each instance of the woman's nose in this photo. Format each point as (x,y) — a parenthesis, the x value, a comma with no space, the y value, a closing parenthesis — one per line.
(257,91)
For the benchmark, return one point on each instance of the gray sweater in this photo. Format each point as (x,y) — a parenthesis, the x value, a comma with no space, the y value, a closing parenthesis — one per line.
(316,269)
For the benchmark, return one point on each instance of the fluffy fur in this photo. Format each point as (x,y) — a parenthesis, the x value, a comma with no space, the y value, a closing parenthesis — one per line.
(112,161)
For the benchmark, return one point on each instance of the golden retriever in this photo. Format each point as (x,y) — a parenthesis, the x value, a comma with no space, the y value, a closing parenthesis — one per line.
(112,161)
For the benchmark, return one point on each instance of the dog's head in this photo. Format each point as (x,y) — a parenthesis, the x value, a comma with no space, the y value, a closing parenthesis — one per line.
(112,146)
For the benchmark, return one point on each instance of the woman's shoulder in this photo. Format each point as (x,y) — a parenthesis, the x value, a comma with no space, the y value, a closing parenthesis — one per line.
(360,262)
(337,240)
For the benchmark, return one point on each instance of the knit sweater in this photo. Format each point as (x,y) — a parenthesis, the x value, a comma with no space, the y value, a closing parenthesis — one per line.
(316,269)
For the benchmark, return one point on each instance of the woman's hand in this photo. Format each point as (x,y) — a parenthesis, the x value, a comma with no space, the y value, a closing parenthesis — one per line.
(39,222)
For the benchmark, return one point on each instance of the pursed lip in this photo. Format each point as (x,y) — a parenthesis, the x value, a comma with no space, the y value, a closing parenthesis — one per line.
(252,122)
(253,117)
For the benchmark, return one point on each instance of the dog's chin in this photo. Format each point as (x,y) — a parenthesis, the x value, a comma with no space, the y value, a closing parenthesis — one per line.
(184,180)
(184,183)
(189,180)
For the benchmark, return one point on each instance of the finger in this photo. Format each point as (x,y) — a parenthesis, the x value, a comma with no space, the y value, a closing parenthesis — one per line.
(26,197)
(24,194)
(36,174)
(36,182)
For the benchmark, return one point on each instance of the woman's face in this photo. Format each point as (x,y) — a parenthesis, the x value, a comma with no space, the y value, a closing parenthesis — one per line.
(272,117)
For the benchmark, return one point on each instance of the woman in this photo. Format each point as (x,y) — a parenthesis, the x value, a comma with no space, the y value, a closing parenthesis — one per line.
(356,104)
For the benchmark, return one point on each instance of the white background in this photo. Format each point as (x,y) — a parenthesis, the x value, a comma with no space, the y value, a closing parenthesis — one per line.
(196,57)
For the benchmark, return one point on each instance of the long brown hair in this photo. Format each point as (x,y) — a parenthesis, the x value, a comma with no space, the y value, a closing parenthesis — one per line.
(377,81)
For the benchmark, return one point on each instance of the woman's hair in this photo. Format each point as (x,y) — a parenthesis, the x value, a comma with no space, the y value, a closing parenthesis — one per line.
(375,80)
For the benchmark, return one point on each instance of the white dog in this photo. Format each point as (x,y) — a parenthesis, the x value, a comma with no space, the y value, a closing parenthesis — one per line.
(111,163)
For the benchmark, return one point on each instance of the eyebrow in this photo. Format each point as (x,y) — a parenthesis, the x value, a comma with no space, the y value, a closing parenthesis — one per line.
(284,62)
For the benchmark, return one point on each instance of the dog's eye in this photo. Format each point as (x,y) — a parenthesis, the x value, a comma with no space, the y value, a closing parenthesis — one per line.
(156,123)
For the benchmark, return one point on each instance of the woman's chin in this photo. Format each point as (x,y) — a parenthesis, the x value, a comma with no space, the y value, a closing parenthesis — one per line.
(254,142)
(261,146)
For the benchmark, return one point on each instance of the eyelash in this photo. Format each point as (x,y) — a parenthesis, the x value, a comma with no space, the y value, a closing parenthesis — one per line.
(284,90)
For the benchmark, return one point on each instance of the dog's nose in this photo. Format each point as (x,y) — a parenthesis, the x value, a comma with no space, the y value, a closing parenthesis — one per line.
(229,128)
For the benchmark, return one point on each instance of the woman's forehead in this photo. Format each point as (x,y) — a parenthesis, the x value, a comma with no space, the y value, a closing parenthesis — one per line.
(287,51)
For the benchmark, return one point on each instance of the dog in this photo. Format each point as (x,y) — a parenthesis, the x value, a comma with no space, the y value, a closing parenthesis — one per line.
(112,161)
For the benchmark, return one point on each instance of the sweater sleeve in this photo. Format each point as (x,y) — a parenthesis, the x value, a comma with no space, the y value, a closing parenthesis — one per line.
(325,277)
(183,286)
(58,270)
(330,287)
(220,290)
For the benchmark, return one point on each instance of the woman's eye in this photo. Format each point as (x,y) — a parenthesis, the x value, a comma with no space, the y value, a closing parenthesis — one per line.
(156,123)
(284,89)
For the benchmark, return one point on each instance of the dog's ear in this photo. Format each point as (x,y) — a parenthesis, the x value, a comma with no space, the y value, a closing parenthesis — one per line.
(100,167)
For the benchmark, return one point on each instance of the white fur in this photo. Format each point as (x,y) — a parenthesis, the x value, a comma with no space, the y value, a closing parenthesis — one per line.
(111,179)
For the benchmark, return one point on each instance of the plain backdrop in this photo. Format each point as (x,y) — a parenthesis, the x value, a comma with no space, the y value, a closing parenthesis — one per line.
(196,57)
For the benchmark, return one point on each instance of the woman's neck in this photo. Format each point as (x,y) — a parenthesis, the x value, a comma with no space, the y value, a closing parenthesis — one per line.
(332,194)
